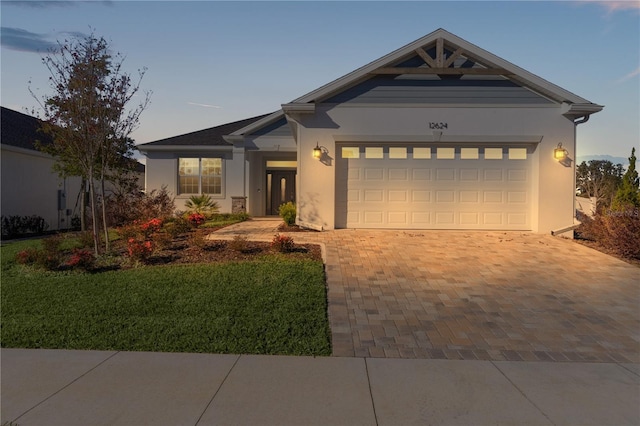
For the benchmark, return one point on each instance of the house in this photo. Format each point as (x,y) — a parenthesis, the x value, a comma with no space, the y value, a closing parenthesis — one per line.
(29,186)
(439,134)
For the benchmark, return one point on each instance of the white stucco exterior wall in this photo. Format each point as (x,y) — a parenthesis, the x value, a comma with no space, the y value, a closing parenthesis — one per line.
(552,184)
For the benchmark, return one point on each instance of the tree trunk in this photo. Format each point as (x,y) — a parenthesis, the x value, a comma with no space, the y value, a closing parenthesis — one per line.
(104,215)
(94,222)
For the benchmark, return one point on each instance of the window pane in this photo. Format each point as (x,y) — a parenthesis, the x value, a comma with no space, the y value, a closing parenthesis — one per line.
(422,153)
(350,152)
(395,152)
(211,166)
(373,152)
(517,153)
(493,153)
(446,153)
(188,185)
(212,185)
(469,153)
(188,167)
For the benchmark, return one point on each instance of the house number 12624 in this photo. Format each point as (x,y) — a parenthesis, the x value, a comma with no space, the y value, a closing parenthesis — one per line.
(438,126)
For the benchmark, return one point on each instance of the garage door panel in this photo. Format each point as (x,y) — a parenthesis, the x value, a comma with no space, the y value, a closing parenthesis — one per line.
(398,174)
(445,174)
(373,174)
(469,175)
(420,196)
(404,192)
(421,174)
(398,196)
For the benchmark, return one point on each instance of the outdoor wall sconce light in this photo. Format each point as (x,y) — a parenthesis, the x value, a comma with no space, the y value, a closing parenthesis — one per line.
(318,151)
(559,153)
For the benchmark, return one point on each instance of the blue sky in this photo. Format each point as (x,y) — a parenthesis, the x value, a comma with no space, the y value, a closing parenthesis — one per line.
(212,62)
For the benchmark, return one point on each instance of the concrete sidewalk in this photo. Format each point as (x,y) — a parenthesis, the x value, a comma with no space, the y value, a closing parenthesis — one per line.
(60,387)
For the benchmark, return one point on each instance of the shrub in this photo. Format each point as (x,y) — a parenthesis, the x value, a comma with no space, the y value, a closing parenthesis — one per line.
(615,230)
(287,212)
(123,208)
(202,204)
(197,240)
(51,256)
(239,243)
(621,232)
(176,226)
(82,259)
(15,226)
(28,256)
(196,219)
(139,251)
(151,226)
(282,243)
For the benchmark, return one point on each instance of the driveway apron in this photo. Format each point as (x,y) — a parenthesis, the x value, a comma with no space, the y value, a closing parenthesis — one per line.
(502,296)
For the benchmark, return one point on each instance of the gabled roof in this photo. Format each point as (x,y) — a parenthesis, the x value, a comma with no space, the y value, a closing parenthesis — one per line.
(212,136)
(484,62)
(21,130)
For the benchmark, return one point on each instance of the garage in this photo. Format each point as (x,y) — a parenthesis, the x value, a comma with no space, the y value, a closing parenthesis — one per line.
(463,186)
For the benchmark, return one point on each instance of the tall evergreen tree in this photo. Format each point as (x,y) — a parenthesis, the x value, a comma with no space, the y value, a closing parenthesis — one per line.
(628,193)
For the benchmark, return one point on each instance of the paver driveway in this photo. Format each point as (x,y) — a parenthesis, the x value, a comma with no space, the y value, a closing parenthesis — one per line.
(473,295)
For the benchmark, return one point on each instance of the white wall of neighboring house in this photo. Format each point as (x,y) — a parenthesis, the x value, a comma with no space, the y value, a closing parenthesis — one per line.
(30,187)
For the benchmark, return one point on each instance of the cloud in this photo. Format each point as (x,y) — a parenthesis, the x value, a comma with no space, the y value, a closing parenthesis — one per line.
(203,105)
(616,5)
(629,76)
(25,41)
(46,4)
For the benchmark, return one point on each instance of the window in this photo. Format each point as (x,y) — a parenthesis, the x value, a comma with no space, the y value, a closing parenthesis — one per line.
(446,153)
(421,153)
(373,152)
(517,153)
(200,176)
(493,153)
(350,152)
(397,152)
(469,153)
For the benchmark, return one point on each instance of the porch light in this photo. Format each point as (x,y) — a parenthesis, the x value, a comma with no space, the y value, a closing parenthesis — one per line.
(559,153)
(317,152)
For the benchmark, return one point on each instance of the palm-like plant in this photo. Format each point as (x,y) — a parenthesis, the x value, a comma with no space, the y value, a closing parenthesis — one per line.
(202,204)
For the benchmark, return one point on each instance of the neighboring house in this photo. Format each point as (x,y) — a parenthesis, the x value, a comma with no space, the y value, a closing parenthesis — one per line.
(439,134)
(29,186)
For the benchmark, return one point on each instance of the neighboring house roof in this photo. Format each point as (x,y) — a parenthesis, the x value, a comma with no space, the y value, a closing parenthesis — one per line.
(458,47)
(212,136)
(21,130)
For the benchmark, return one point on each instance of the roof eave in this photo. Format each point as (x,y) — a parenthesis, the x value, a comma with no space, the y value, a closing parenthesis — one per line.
(190,148)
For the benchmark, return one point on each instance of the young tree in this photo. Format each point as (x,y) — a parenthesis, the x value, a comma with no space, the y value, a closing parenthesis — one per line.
(88,118)
(628,193)
(599,179)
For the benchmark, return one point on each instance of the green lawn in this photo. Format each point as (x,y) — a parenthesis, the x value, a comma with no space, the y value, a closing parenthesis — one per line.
(273,305)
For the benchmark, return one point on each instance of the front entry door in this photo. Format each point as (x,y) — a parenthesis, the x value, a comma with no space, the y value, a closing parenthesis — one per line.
(281,189)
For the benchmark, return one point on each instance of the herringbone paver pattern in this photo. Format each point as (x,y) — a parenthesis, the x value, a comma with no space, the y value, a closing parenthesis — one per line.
(473,295)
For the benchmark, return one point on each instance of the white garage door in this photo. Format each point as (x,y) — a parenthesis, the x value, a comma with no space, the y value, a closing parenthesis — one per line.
(469,187)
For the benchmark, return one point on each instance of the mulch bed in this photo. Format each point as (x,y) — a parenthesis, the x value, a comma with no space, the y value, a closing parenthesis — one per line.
(194,247)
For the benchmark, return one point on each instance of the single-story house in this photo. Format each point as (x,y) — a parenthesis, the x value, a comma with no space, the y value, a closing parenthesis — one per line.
(29,186)
(439,134)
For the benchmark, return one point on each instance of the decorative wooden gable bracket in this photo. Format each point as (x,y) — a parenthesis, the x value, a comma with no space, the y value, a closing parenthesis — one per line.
(440,65)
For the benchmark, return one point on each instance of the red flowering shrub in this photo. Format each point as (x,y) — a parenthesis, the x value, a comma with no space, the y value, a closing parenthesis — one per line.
(151,226)
(81,258)
(28,256)
(196,219)
(282,243)
(139,250)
